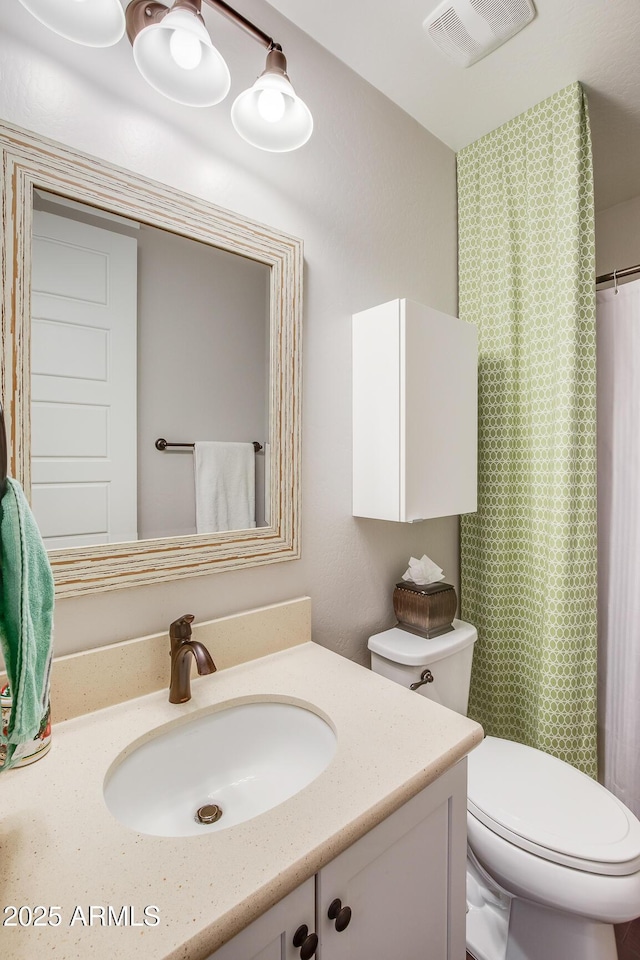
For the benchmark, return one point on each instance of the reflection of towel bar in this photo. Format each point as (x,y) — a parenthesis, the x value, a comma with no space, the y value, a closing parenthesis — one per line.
(162,444)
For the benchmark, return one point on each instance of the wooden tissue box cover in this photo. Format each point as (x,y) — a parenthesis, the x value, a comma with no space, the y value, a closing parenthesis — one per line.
(428,610)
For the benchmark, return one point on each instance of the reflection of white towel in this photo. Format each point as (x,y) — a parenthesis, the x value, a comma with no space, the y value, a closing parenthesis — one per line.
(225,486)
(267,484)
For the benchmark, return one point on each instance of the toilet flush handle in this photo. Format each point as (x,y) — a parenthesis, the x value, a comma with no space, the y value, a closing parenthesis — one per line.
(425,677)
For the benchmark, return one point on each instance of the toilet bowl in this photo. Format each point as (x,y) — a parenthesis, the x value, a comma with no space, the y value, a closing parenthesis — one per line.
(554,857)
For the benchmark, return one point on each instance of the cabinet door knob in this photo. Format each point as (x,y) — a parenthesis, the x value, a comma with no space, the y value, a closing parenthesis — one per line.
(308,942)
(341,915)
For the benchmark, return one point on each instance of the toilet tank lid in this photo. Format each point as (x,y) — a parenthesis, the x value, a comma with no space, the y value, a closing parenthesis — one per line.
(400,646)
(544,805)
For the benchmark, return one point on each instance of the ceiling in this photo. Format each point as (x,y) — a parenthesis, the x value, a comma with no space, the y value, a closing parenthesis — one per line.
(595,41)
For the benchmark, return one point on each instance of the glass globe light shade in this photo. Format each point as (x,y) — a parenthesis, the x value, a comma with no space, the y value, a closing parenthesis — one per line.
(178,59)
(93,23)
(270,115)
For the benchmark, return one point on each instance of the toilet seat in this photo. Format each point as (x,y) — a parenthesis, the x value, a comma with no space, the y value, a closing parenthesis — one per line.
(548,808)
(607,899)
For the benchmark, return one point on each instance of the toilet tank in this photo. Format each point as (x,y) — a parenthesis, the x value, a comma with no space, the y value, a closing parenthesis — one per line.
(402,656)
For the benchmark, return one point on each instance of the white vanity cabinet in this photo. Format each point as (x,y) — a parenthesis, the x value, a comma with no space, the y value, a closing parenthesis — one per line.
(401,889)
(271,936)
(414,413)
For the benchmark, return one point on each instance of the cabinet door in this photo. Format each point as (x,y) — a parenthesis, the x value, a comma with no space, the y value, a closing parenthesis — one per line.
(439,415)
(414,413)
(270,937)
(404,882)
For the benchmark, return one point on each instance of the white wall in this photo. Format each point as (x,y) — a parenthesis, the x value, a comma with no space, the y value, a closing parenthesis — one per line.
(618,237)
(372,195)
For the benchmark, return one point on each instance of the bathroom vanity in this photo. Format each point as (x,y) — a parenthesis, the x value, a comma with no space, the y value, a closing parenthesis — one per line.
(397,891)
(381,829)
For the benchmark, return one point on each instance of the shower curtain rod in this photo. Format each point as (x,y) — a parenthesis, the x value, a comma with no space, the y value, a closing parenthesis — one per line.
(618,274)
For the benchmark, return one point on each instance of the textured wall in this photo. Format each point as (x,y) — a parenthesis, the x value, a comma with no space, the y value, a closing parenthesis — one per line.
(372,195)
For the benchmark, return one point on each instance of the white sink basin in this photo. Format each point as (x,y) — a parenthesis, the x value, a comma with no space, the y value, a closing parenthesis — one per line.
(245,759)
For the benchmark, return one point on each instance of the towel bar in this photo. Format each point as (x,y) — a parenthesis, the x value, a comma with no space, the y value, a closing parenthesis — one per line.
(162,444)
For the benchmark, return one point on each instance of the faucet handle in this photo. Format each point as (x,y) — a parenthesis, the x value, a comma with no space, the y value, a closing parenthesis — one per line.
(181,629)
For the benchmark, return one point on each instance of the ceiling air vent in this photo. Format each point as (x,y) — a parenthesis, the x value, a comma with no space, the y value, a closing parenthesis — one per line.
(467,30)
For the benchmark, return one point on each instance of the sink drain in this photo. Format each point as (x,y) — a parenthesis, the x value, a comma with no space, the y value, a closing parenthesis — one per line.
(209,813)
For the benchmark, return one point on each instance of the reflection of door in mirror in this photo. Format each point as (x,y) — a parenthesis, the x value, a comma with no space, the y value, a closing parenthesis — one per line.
(199,372)
(83,382)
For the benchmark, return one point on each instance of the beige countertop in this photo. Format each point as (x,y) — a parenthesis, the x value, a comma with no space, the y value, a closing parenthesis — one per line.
(61,847)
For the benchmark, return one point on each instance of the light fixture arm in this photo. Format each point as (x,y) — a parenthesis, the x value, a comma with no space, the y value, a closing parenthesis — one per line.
(243,23)
(141,13)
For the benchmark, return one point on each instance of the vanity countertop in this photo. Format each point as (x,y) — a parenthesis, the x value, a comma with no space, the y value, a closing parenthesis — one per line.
(60,847)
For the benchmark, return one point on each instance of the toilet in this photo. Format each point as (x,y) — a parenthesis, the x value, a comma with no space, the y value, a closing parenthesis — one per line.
(553,857)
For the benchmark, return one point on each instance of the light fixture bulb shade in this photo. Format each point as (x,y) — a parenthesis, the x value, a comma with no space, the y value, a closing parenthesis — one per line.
(178,59)
(270,115)
(93,23)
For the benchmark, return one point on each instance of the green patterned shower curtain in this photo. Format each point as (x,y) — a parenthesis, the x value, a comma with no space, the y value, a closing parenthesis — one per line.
(528,557)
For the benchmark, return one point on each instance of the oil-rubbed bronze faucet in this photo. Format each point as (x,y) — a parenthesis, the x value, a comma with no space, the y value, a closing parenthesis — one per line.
(182,648)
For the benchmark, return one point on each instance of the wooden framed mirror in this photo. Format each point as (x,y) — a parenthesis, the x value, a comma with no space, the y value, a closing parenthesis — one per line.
(35,168)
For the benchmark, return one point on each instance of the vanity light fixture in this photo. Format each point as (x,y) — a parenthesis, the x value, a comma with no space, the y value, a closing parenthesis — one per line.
(94,23)
(269,114)
(174,53)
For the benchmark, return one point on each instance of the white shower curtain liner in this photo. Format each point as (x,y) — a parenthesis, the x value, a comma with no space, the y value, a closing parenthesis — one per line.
(618,353)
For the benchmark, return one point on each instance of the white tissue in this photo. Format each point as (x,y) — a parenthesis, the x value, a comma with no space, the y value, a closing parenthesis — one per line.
(423,571)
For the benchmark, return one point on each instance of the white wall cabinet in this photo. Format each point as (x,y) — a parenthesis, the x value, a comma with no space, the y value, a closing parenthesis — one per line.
(414,413)
(401,891)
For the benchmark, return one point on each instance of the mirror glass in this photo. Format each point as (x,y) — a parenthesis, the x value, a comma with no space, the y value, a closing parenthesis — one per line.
(132,312)
(138,336)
